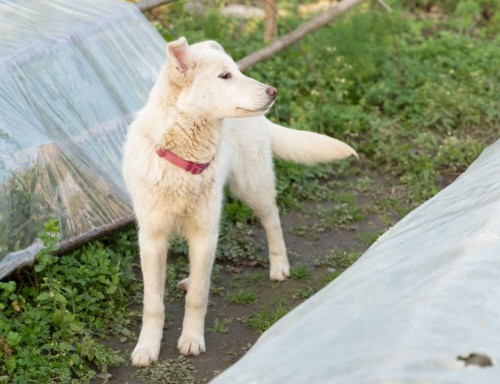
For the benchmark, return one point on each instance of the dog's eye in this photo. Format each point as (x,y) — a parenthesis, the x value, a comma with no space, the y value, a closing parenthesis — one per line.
(225,75)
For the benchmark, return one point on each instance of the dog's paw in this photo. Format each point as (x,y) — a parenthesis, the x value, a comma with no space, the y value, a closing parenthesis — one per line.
(189,345)
(183,284)
(279,271)
(144,356)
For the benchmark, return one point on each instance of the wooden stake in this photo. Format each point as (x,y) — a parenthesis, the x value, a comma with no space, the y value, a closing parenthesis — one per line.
(270,27)
(297,34)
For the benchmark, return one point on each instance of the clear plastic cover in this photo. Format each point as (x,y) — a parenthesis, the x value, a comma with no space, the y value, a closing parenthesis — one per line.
(72,75)
(412,309)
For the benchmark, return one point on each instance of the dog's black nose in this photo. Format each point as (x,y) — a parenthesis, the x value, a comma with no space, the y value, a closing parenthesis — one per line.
(272,92)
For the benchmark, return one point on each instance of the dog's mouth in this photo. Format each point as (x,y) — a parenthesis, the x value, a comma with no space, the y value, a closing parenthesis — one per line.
(265,108)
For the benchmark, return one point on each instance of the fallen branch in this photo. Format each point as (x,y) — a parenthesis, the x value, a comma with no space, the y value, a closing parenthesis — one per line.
(297,34)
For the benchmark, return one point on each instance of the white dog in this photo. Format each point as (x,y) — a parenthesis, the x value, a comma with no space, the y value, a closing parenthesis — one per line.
(203,127)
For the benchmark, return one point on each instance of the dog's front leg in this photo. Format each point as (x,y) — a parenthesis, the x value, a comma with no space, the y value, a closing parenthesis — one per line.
(153,247)
(202,245)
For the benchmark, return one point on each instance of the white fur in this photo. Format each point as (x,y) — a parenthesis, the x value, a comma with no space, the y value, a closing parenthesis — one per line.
(202,117)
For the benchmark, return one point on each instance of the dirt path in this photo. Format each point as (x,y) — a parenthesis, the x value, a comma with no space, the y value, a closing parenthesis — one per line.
(243,301)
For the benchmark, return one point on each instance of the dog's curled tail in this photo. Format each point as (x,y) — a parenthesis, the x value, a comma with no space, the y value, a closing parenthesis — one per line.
(306,147)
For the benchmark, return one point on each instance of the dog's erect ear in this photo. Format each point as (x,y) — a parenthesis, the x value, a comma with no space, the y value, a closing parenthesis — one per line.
(215,45)
(178,53)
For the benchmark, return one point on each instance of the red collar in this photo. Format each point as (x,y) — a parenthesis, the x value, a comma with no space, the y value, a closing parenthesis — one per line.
(189,166)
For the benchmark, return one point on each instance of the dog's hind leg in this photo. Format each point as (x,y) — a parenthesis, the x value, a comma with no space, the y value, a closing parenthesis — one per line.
(183,284)
(256,187)
(153,244)
(268,214)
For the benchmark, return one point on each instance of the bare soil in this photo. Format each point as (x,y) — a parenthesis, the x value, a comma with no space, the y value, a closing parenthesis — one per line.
(311,242)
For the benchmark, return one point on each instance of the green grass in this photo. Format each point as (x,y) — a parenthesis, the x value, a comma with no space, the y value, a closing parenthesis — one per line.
(261,321)
(243,297)
(303,293)
(330,277)
(256,276)
(416,95)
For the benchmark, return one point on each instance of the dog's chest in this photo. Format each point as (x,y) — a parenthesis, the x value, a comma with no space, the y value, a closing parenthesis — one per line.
(161,186)
(179,190)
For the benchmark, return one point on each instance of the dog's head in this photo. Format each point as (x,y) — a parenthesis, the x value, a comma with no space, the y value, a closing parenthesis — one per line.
(205,80)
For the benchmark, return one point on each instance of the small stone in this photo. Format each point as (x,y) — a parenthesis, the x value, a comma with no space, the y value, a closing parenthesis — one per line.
(476,359)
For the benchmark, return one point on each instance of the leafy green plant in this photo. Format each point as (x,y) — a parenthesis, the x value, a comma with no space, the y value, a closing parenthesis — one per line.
(237,211)
(415,91)
(19,203)
(171,371)
(417,97)
(299,271)
(53,318)
(49,238)
(237,241)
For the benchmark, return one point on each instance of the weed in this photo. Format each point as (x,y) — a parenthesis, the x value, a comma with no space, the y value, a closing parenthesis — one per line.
(369,238)
(301,230)
(177,269)
(255,276)
(275,284)
(299,271)
(171,371)
(304,293)
(216,286)
(330,277)
(265,318)
(237,211)
(243,297)
(339,259)
(52,327)
(220,326)
(237,242)
(234,282)
(217,289)
(49,238)
(216,274)
(416,96)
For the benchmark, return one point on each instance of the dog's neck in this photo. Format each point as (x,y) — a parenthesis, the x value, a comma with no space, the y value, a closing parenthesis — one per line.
(189,136)
(192,138)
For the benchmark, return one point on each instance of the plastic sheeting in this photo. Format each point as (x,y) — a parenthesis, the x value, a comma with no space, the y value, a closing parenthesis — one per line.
(426,293)
(72,74)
